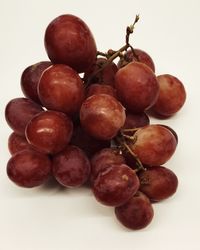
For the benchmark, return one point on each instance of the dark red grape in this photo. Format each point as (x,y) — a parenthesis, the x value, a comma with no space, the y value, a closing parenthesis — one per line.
(158,183)
(115,185)
(29,168)
(141,56)
(68,40)
(136,120)
(60,88)
(49,132)
(137,87)
(17,143)
(95,89)
(136,213)
(106,75)
(71,167)
(30,79)
(172,96)
(105,158)
(19,112)
(87,143)
(102,116)
(171,130)
(154,145)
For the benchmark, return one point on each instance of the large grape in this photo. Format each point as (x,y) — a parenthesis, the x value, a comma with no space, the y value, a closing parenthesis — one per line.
(60,88)
(137,87)
(102,116)
(68,40)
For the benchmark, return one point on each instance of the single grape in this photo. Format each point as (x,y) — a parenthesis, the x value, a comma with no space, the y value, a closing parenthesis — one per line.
(19,112)
(106,75)
(71,167)
(136,120)
(171,130)
(172,96)
(137,87)
(69,41)
(154,145)
(29,168)
(49,131)
(141,56)
(102,116)
(17,143)
(30,79)
(105,158)
(136,213)
(158,183)
(60,88)
(95,89)
(115,185)
(87,143)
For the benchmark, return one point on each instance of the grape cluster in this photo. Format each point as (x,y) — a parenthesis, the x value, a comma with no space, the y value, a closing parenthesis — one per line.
(85,119)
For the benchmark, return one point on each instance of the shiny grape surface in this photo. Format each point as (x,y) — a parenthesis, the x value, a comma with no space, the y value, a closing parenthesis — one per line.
(69,41)
(60,88)
(102,116)
(137,87)
(116,184)
(29,168)
(49,132)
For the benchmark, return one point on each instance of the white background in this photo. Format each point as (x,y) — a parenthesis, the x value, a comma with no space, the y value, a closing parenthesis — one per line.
(49,218)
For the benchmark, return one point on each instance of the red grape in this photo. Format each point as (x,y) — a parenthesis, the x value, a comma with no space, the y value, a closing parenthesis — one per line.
(87,143)
(171,130)
(137,87)
(143,57)
(71,167)
(95,89)
(61,89)
(136,213)
(171,96)
(68,40)
(102,116)
(49,132)
(105,158)
(158,183)
(29,168)
(106,75)
(30,79)
(154,145)
(17,143)
(136,120)
(116,184)
(19,112)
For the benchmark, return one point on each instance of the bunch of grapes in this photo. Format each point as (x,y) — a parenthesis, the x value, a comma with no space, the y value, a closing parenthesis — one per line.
(84,120)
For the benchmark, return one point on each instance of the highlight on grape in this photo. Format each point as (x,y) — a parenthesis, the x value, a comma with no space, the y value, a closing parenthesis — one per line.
(85,118)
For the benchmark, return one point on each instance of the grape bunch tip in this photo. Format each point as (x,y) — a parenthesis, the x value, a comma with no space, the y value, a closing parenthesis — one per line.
(85,119)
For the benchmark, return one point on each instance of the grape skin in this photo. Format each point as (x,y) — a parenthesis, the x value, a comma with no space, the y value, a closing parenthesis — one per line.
(61,89)
(68,40)
(154,145)
(29,168)
(136,120)
(105,158)
(172,96)
(71,167)
(17,143)
(95,89)
(137,87)
(30,79)
(136,213)
(158,183)
(19,112)
(115,185)
(49,132)
(102,116)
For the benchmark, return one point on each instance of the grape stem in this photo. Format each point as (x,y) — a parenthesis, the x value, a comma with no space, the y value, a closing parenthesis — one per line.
(111,54)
